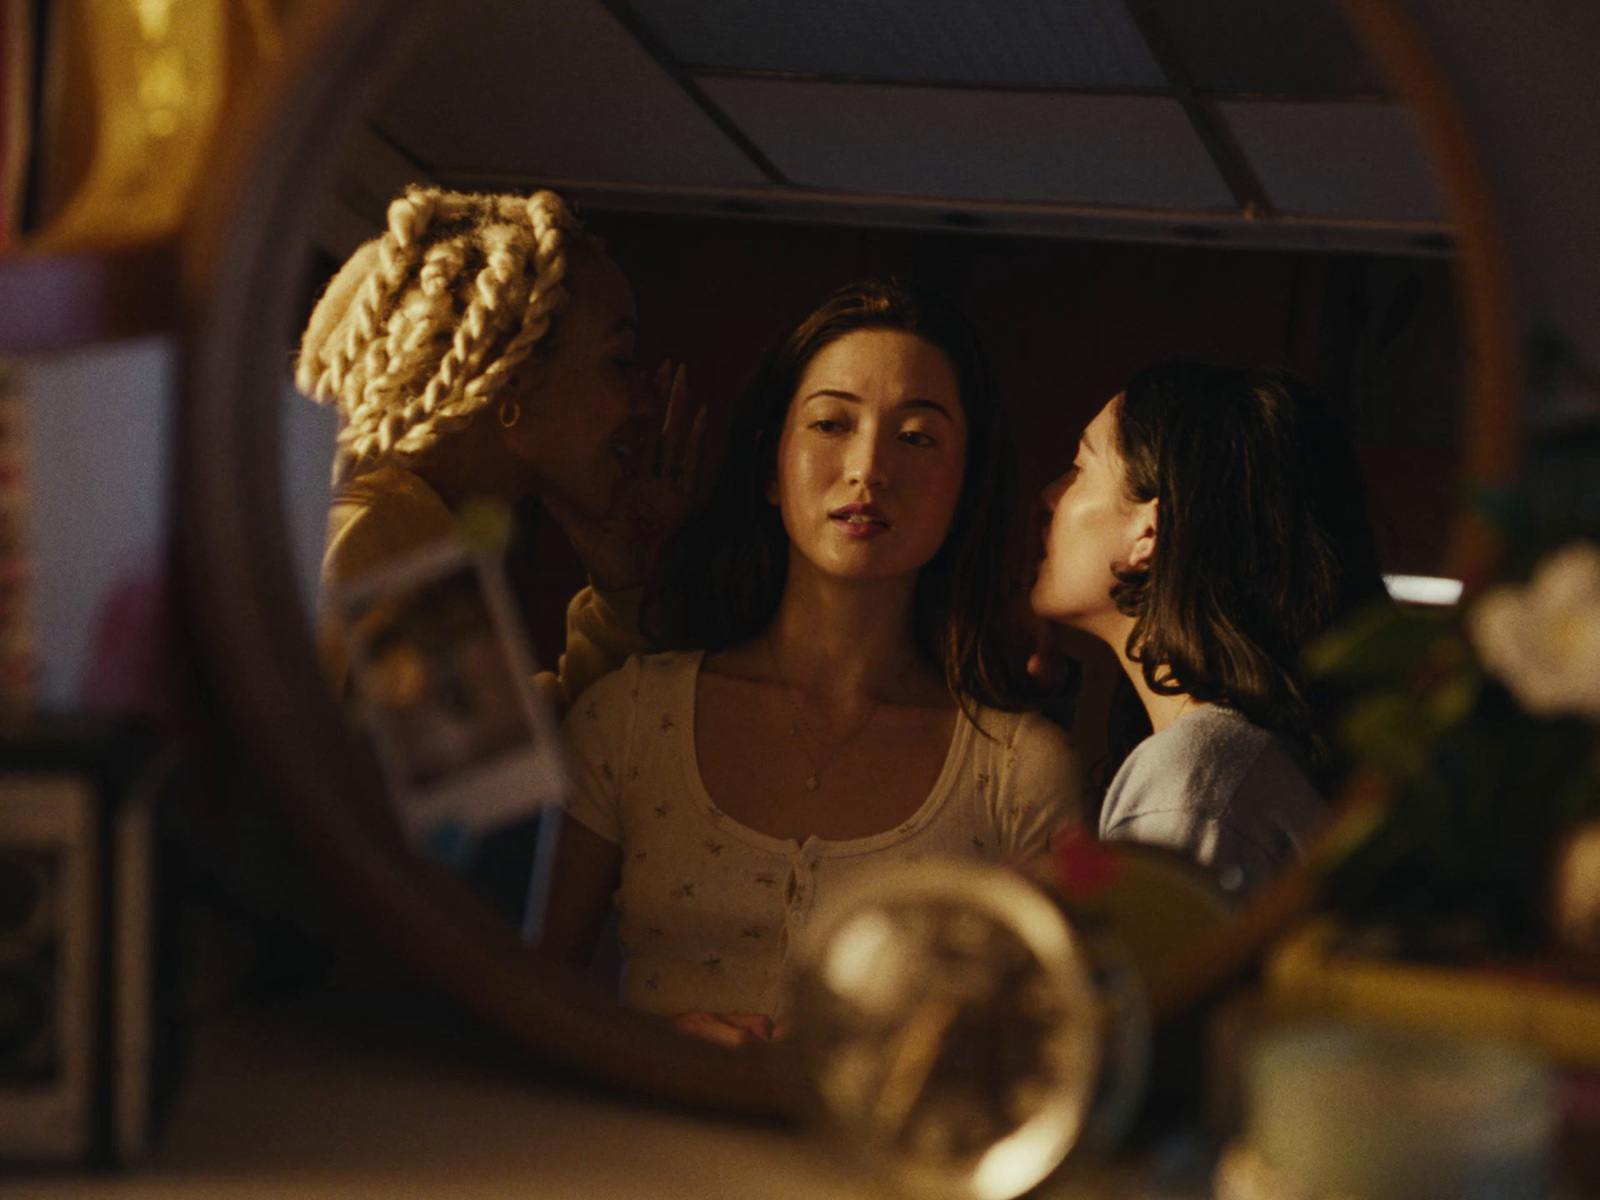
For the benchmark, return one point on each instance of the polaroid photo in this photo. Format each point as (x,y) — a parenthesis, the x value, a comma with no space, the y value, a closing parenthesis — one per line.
(444,678)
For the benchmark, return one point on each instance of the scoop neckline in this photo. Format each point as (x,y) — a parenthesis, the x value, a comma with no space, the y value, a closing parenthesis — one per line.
(943,786)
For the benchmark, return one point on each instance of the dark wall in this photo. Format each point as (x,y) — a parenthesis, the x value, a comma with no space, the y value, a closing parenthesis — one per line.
(1065,325)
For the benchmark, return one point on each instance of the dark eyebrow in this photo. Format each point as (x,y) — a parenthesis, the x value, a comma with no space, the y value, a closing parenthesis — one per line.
(930,404)
(625,325)
(914,402)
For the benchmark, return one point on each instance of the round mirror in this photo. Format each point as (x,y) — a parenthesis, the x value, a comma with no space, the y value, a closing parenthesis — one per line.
(1099,185)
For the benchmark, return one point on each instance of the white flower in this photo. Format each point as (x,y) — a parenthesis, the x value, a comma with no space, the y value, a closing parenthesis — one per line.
(1577,889)
(1543,640)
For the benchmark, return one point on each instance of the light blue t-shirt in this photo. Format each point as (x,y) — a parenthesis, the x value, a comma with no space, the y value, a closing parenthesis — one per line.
(1219,789)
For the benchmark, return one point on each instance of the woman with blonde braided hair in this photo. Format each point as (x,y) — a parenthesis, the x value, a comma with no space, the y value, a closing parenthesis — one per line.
(483,348)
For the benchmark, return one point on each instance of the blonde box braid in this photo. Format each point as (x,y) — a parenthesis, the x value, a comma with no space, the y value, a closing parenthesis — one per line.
(425,324)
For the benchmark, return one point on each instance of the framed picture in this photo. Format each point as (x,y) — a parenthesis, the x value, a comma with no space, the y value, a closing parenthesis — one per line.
(82,1038)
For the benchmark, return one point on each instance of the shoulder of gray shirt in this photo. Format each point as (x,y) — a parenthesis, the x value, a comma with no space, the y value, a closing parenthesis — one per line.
(1214,766)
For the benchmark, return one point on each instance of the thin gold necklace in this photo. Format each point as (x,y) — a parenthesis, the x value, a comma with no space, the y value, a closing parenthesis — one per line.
(798,728)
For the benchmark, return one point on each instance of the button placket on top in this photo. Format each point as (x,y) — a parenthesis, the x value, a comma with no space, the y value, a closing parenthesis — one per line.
(799,889)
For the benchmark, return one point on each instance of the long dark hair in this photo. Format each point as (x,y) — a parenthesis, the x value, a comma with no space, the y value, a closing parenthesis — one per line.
(1263,541)
(723,576)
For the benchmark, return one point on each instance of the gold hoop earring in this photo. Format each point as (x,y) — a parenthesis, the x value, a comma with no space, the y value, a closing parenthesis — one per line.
(510,413)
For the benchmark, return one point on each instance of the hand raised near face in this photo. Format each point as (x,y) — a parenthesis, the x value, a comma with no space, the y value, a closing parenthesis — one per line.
(662,493)
(620,550)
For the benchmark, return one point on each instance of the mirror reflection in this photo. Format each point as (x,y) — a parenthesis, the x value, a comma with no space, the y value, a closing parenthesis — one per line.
(887,447)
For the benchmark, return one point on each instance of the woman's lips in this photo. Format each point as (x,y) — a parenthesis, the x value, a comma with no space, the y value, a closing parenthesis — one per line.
(859,521)
(859,529)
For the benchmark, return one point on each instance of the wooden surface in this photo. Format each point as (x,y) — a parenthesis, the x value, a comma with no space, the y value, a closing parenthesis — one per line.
(367,1088)
(314,1103)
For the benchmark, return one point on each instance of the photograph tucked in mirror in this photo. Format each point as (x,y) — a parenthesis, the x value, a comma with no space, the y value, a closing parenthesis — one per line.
(444,679)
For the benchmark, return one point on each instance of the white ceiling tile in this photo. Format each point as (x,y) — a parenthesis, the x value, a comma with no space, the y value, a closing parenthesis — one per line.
(1348,159)
(553,89)
(1065,147)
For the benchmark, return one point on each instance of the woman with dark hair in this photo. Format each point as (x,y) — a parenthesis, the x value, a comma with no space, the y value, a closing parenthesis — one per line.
(1212,523)
(839,693)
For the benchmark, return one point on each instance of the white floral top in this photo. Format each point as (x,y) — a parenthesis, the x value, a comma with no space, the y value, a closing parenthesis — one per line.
(707,905)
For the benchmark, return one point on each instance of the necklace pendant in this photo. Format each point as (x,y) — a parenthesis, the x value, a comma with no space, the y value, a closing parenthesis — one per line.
(812,782)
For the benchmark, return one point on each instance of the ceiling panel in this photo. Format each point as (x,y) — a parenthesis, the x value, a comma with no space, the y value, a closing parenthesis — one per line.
(1091,43)
(1123,150)
(1269,47)
(1338,158)
(552,89)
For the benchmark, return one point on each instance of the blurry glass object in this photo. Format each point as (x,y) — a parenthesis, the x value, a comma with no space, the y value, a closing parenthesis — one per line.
(445,681)
(954,1027)
(1339,1110)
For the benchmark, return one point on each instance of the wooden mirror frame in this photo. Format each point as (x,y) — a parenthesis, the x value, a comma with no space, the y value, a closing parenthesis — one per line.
(243,256)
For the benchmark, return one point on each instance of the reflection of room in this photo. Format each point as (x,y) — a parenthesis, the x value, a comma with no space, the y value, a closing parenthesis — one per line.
(1101,186)
(1102,182)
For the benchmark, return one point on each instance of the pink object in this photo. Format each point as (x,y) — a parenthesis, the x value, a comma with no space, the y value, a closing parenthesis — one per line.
(1085,866)
(126,672)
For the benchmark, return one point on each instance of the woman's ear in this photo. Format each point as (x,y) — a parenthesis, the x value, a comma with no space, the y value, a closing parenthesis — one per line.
(1143,550)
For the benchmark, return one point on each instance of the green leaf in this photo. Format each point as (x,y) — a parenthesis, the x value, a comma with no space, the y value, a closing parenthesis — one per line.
(1393,733)
(1454,701)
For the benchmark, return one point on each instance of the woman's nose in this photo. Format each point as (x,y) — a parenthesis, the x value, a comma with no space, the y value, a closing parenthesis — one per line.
(869,462)
(1051,495)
